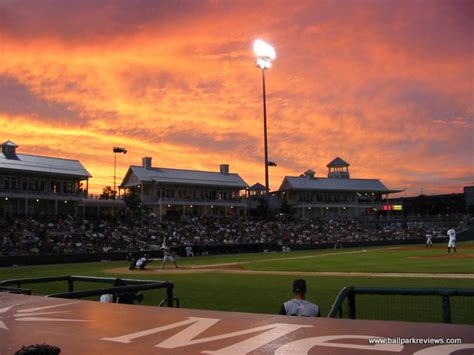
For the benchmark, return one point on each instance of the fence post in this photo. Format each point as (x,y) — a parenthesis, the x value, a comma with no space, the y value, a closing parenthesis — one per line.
(446,309)
(169,294)
(70,282)
(352,304)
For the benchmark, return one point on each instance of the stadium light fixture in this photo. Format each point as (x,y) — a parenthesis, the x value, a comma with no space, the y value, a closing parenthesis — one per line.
(117,150)
(265,54)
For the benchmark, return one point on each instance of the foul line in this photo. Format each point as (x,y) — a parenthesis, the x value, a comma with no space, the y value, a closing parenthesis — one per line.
(288,258)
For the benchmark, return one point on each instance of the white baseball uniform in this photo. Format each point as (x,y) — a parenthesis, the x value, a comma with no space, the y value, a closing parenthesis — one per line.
(452,238)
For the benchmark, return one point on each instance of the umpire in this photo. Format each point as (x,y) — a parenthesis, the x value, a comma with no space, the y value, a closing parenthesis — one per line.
(299,306)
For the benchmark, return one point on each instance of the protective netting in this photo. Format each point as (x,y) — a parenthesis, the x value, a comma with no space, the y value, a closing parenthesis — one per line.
(411,308)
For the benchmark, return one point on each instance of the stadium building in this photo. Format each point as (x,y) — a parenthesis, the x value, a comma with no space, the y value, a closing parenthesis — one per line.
(39,185)
(176,192)
(336,197)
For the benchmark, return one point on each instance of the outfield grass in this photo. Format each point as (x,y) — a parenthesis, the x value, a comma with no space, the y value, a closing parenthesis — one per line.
(264,293)
(375,260)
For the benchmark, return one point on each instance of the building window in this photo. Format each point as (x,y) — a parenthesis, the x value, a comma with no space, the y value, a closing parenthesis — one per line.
(6,183)
(54,187)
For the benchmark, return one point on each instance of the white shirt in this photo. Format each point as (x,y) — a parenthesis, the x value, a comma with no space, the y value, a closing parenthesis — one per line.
(452,234)
(301,308)
(140,261)
(107,298)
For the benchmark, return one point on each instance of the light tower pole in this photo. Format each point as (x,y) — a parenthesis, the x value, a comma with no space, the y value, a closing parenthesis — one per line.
(265,54)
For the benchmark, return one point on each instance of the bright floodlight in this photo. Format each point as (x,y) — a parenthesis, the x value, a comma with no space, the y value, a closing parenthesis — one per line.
(265,54)
(264,50)
(263,63)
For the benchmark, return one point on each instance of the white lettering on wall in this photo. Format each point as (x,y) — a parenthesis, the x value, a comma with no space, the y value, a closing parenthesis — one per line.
(202,324)
(199,325)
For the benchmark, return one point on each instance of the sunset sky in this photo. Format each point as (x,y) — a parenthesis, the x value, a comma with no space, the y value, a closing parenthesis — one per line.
(385,85)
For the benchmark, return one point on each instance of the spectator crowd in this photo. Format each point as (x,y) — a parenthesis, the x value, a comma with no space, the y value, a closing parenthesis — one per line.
(30,236)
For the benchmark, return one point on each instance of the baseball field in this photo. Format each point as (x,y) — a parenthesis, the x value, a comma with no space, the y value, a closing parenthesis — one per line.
(259,283)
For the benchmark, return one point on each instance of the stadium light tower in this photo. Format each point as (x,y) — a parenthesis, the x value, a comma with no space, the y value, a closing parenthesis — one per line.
(117,150)
(265,54)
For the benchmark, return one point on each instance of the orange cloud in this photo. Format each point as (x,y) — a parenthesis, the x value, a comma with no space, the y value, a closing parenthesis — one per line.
(385,91)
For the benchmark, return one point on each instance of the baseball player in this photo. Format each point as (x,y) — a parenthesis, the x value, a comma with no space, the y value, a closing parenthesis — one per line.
(429,240)
(452,240)
(167,256)
(299,306)
(142,262)
(189,251)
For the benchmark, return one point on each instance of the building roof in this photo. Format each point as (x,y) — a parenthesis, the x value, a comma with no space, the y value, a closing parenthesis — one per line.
(9,144)
(332,184)
(181,177)
(41,164)
(338,162)
(257,187)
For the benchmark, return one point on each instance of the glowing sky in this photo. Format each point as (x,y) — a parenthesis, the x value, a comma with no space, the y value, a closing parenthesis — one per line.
(385,85)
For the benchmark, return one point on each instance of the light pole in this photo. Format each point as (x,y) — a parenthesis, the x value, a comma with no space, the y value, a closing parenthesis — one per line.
(117,150)
(265,54)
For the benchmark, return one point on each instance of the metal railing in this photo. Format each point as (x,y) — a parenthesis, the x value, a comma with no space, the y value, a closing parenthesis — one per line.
(132,285)
(197,201)
(43,193)
(350,293)
(24,291)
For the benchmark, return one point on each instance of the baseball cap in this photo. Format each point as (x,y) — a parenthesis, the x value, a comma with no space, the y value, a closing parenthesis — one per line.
(299,286)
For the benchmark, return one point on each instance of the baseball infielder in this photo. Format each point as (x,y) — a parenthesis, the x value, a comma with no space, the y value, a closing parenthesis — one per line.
(189,251)
(429,240)
(452,240)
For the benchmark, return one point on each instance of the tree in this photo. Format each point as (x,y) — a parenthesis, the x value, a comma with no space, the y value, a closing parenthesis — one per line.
(132,200)
(108,193)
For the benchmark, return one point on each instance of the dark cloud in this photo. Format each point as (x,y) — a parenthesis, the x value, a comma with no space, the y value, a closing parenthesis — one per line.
(97,20)
(17,99)
(422,99)
(228,143)
(140,81)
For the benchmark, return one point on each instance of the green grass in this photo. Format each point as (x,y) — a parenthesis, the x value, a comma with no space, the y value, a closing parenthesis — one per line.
(373,260)
(264,293)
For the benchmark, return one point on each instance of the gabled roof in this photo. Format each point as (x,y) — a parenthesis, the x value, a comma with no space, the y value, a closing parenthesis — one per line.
(181,177)
(338,162)
(331,184)
(257,187)
(9,144)
(41,164)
